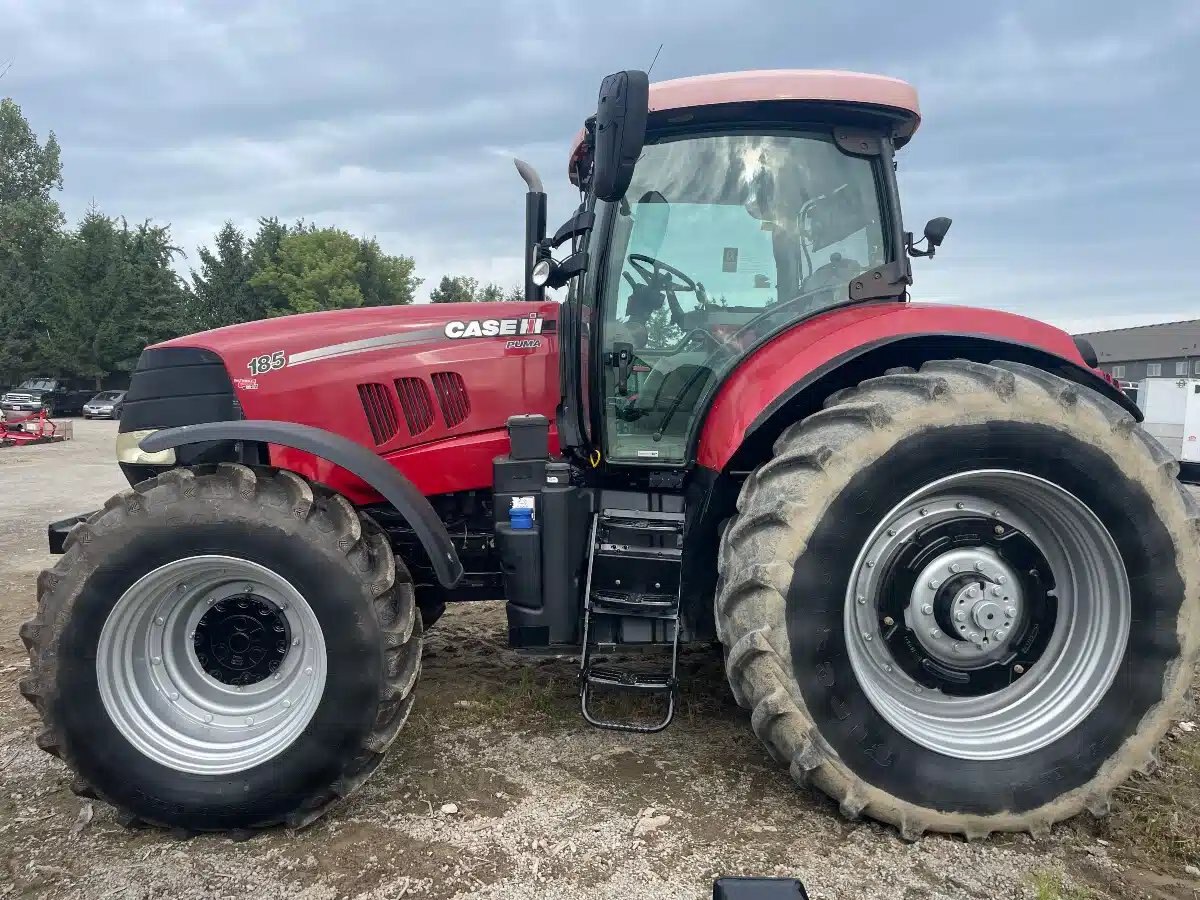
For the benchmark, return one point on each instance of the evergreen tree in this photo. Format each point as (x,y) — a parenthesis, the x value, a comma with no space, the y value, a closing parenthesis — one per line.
(454,289)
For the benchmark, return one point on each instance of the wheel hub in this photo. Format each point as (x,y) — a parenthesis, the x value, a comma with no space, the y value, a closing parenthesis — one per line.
(242,640)
(975,603)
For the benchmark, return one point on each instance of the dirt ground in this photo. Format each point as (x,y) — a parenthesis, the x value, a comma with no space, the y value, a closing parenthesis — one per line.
(546,807)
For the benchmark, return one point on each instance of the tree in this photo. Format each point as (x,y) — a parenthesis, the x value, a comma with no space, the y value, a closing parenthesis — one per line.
(454,289)
(221,292)
(30,223)
(516,293)
(310,269)
(661,332)
(490,293)
(111,291)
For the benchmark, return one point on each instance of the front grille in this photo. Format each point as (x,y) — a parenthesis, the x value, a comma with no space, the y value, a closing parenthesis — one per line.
(381,411)
(414,400)
(452,397)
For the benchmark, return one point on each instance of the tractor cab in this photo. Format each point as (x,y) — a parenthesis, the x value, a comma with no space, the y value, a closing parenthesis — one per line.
(745,204)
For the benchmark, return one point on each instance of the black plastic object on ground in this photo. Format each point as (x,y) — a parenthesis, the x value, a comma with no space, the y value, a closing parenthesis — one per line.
(758,889)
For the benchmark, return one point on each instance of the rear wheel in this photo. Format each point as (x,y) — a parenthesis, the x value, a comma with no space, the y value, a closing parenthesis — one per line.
(963,599)
(223,649)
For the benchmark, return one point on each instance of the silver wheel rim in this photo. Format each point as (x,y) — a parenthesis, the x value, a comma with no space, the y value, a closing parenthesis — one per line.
(155,687)
(1078,662)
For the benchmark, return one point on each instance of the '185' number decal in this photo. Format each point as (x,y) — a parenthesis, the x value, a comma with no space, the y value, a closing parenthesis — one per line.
(268,362)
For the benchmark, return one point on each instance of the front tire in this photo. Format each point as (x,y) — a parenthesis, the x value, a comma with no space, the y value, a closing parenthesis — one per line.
(223,648)
(863,560)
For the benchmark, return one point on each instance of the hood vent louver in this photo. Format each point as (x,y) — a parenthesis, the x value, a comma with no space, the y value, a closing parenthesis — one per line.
(377,403)
(416,404)
(452,397)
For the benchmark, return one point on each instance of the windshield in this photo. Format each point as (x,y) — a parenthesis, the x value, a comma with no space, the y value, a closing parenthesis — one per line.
(107,395)
(722,240)
(38,384)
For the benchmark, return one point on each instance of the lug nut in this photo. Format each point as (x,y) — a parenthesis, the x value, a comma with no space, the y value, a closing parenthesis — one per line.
(933,582)
(999,529)
(954,567)
(174,695)
(927,609)
(891,532)
(973,592)
(1019,669)
(870,563)
(159,620)
(1010,611)
(308,671)
(960,616)
(861,598)
(998,634)
(889,621)
(1002,580)
(973,637)
(287,704)
(249,720)
(295,642)
(208,717)
(933,632)
(957,648)
(978,567)
(995,592)
(923,511)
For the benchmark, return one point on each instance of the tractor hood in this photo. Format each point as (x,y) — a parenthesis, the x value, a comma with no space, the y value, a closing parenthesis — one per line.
(256,349)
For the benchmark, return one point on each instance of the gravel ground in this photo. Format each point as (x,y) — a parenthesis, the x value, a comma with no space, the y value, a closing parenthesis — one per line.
(498,790)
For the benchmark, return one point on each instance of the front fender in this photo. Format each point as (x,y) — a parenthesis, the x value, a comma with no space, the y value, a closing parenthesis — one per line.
(792,374)
(352,457)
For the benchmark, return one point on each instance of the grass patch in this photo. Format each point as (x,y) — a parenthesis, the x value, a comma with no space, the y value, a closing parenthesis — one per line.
(1159,814)
(1049,885)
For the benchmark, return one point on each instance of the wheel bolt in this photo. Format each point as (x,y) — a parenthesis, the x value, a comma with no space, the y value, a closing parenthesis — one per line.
(954,567)
(174,695)
(1002,580)
(249,588)
(889,621)
(249,720)
(960,616)
(998,634)
(891,532)
(923,511)
(278,675)
(1009,611)
(933,632)
(295,642)
(861,599)
(1019,669)
(159,620)
(308,671)
(927,609)
(973,592)
(999,529)
(933,582)
(287,704)
(995,592)
(208,717)
(618,582)
(960,505)
(973,637)
(978,567)
(957,648)
(870,563)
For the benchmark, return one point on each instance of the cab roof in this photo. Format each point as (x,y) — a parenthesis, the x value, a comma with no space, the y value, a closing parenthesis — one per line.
(819,85)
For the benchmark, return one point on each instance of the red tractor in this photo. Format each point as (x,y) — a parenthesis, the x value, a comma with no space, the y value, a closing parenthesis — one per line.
(955,582)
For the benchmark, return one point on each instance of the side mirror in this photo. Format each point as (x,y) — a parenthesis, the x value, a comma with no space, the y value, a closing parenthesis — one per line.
(935,230)
(621,114)
(935,233)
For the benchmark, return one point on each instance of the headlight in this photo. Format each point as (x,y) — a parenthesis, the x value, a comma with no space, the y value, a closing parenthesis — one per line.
(128,450)
(541,272)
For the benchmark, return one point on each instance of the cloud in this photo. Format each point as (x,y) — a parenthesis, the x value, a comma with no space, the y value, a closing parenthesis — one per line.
(1052,132)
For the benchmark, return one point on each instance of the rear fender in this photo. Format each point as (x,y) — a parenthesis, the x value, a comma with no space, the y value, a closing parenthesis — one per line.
(352,457)
(790,376)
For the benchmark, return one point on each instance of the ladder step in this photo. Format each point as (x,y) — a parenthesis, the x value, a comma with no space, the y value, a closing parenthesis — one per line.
(623,680)
(655,606)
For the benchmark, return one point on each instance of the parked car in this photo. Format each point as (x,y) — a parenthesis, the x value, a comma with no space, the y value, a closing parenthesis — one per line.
(105,405)
(57,396)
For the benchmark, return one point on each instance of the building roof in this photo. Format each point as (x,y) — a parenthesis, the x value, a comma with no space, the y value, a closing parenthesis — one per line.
(1165,341)
(823,85)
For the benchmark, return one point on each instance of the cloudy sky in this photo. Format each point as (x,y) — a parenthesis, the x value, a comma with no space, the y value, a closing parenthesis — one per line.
(1061,136)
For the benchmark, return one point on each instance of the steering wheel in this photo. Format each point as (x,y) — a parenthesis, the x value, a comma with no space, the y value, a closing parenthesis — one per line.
(652,271)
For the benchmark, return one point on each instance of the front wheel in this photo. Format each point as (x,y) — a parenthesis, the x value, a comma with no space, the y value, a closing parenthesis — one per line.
(963,599)
(223,648)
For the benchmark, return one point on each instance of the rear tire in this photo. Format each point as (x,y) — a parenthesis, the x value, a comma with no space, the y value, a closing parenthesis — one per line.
(171,739)
(854,680)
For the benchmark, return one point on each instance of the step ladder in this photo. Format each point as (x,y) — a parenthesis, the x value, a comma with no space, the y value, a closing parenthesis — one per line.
(633,584)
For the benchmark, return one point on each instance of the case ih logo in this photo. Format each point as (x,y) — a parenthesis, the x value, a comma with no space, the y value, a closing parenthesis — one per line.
(532,324)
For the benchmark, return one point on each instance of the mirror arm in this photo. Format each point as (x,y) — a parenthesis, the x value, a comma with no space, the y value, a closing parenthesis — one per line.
(578,224)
